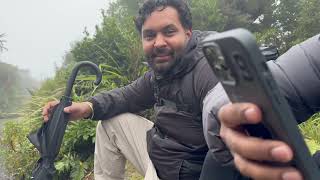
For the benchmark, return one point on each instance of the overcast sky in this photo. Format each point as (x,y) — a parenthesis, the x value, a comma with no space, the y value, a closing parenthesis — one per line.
(39,32)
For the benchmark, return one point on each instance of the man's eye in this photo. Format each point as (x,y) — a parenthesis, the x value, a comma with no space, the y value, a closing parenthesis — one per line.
(148,37)
(170,32)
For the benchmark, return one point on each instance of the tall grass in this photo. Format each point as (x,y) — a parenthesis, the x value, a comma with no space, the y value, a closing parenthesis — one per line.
(311,131)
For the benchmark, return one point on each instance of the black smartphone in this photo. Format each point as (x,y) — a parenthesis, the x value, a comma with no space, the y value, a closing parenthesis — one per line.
(238,63)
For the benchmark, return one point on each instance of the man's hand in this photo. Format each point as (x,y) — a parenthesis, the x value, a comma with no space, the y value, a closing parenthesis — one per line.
(76,110)
(250,152)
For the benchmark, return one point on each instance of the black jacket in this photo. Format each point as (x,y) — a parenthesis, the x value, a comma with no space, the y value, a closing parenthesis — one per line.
(176,143)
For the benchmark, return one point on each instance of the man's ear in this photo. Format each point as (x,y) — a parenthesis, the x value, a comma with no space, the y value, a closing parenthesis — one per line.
(188,33)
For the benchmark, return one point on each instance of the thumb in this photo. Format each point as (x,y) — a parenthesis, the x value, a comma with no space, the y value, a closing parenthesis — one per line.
(68,109)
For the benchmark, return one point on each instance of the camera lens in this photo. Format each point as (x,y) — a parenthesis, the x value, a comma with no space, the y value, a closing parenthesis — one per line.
(218,63)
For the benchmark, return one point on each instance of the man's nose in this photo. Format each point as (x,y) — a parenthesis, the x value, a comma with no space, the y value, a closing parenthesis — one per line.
(160,41)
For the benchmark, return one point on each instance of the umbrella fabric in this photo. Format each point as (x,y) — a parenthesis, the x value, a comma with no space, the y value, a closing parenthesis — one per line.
(48,138)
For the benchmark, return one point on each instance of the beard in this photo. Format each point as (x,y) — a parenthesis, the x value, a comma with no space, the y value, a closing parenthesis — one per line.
(162,60)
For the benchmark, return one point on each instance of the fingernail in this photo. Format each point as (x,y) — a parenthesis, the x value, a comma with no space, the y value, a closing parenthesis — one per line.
(251,115)
(249,112)
(291,176)
(281,153)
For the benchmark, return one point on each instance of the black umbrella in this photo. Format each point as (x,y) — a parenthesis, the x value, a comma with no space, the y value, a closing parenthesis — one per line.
(49,137)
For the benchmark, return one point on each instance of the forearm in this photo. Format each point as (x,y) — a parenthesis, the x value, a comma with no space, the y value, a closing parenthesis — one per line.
(132,98)
(108,104)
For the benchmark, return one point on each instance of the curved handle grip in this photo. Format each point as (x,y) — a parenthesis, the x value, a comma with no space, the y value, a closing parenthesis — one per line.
(75,71)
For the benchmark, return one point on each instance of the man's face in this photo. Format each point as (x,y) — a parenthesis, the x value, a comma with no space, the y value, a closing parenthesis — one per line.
(164,39)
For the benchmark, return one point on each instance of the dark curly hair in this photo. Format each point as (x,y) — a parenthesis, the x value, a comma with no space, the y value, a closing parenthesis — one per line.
(150,6)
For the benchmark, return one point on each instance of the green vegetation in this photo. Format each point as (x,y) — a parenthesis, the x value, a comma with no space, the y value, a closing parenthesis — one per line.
(116,47)
(9,87)
(16,86)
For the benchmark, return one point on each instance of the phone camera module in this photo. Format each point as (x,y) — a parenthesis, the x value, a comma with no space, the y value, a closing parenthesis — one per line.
(214,53)
(218,63)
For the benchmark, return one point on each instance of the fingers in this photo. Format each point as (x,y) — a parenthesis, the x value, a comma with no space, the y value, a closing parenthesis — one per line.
(47,109)
(233,115)
(78,110)
(255,148)
(252,153)
(259,171)
(69,109)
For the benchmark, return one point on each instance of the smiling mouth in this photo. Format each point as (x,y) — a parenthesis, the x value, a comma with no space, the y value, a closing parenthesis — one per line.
(162,59)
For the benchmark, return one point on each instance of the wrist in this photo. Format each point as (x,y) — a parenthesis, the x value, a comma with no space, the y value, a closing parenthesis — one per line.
(90,112)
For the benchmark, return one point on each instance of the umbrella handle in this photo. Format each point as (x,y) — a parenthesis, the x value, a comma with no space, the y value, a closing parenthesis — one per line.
(75,71)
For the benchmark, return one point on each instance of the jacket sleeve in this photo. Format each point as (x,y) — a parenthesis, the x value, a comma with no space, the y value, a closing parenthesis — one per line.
(212,96)
(213,101)
(134,97)
(297,74)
